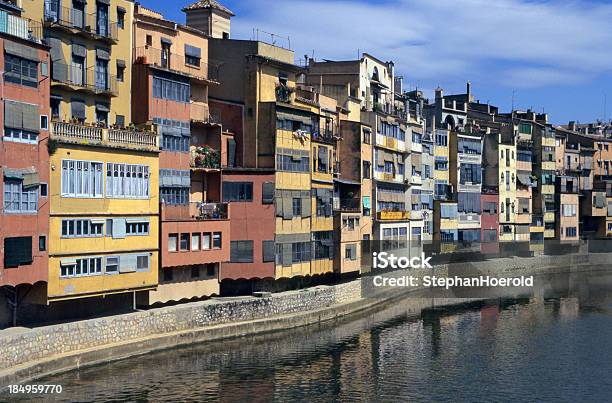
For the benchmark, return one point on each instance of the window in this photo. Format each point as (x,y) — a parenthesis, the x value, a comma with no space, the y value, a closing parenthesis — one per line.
(216,240)
(292,163)
(20,135)
(241,251)
(525,128)
(367,168)
(127,180)
(184,245)
(570,232)
(83,267)
(441,164)
(20,200)
(164,88)
(297,207)
(206,241)
(112,265)
(44,122)
(195,241)
(120,121)
(82,228)
(237,191)
(192,55)
(195,272)
(489,235)
(142,262)
(42,243)
(172,242)
(174,196)
(20,71)
(176,134)
(367,136)
(81,179)
(44,69)
(490,208)
(267,193)
(149,40)
(323,244)
(268,251)
(448,211)
(17,251)
(569,210)
(120,72)
(121,19)
(388,167)
(137,228)
(300,252)
(350,252)
(442,139)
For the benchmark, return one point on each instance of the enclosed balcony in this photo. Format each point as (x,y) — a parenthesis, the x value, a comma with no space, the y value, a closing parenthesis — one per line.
(194,234)
(81,133)
(75,21)
(78,78)
(199,112)
(21,27)
(177,63)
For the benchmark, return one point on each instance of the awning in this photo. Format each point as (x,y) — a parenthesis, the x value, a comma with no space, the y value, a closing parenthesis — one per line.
(79,50)
(137,220)
(17,49)
(524,179)
(30,179)
(121,10)
(67,261)
(103,54)
(347,181)
(102,107)
(296,118)
(166,41)
(10,173)
(97,220)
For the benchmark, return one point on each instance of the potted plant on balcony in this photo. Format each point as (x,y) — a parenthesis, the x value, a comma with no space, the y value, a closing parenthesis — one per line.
(206,157)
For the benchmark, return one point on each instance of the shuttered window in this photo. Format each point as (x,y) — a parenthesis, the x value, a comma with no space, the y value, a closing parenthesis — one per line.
(17,251)
(268,251)
(267,193)
(241,251)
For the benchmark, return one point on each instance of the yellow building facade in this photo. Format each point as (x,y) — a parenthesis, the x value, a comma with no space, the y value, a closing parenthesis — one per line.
(91,58)
(104,204)
(507,191)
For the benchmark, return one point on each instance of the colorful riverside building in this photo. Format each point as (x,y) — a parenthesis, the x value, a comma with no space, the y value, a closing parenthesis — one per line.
(101,173)
(24,161)
(172,73)
(91,48)
(260,80)
(372,82)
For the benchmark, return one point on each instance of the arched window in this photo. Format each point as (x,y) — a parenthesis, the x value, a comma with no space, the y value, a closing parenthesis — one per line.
(450,122)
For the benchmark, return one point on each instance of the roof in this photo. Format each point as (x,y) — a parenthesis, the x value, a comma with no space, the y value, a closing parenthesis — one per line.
(204,4)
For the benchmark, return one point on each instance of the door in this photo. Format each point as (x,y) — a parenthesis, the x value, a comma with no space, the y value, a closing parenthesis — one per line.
(102,19)
(101,74)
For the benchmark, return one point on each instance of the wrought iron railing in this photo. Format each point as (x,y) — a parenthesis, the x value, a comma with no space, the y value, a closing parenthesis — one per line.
(73,18)
(176,62)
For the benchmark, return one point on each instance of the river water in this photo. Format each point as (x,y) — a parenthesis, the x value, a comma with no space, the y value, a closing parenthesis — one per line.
(533,349)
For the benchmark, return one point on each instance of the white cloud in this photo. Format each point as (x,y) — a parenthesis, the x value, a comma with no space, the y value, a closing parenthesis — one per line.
(539,43)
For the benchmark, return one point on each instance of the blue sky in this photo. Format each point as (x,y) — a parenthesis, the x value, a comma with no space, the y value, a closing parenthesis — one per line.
(555,55)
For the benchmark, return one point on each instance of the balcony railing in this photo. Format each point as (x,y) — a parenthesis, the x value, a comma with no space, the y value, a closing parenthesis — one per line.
(195,211)
(175,62)
(388,215)
(21,27)
(93,135)
(90,79)
(350,205)
(77,20)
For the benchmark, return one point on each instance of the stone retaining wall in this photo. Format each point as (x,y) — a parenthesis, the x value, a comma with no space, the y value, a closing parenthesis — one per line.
(41,343)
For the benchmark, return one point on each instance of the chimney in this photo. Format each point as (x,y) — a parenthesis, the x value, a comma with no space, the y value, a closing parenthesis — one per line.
(572,125)
(439,93)
(468,90)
